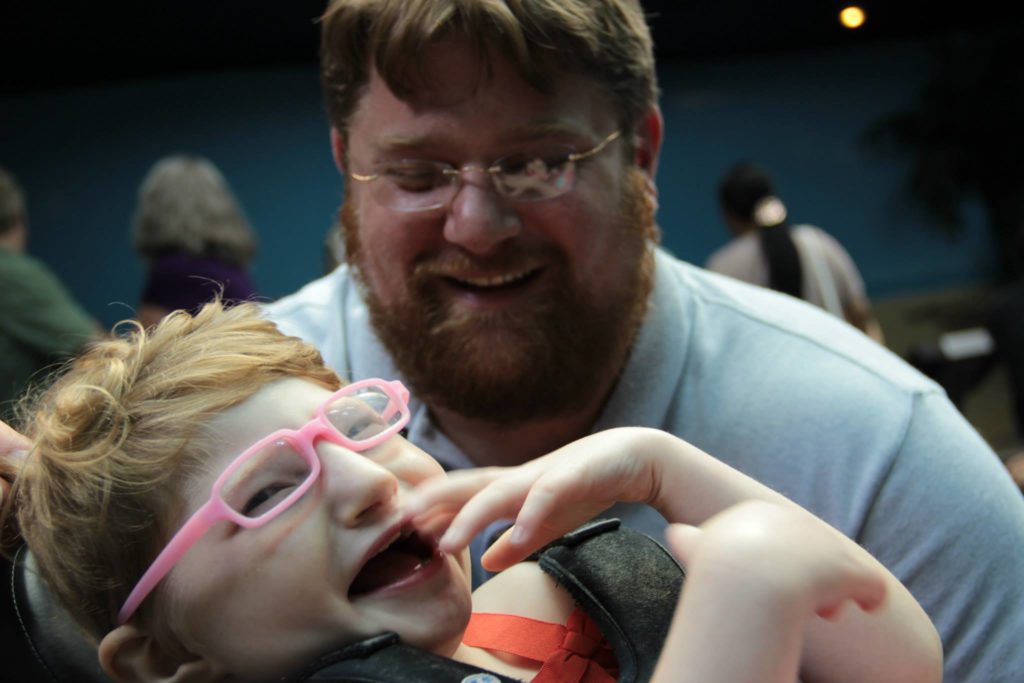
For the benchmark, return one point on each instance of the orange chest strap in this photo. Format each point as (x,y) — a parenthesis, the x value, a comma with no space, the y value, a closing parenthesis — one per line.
(573,653)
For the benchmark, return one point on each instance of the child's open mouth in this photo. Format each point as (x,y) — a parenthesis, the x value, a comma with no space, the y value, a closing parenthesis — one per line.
(398,562)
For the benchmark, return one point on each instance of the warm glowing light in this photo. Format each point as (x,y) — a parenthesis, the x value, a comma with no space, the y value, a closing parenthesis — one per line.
(852,17)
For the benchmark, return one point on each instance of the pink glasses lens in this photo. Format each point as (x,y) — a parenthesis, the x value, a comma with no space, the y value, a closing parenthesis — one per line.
(266,479)
(365,414)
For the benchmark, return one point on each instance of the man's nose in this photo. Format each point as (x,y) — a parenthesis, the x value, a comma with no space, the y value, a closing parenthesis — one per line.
(478,218)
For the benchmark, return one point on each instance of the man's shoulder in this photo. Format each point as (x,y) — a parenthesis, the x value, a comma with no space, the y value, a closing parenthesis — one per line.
(320,293)
(728,321)
(314,308)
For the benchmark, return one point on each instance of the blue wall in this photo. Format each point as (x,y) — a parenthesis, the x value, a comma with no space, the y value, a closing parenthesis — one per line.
(81,154)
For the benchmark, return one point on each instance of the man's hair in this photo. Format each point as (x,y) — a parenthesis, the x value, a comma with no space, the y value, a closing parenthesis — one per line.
(606,40)
(12,202)
(742,187)
(186,205)
(96,499)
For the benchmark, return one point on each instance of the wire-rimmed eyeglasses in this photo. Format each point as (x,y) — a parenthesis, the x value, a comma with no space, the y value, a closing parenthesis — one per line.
(420,185)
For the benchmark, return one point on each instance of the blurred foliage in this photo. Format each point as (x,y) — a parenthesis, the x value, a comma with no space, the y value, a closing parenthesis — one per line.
(964,139)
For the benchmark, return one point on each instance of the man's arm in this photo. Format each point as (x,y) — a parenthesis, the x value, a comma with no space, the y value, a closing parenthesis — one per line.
(949,521)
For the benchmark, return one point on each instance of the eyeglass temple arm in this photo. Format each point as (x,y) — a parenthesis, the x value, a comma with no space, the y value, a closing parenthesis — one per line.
(197,525)
(591,152)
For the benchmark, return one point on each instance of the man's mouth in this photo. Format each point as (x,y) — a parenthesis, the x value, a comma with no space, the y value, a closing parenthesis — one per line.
(397,562)
(467,274)
(498,282)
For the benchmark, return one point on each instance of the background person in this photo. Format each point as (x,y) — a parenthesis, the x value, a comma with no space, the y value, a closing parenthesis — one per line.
(221,409)
(800,260)
(40,322)
(498,163)
(197,242)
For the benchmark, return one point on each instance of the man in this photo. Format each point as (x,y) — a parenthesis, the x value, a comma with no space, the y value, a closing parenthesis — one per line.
(801,260)
(40,323)
(499,161)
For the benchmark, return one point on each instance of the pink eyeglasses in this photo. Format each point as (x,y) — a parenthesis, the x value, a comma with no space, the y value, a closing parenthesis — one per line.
(273,473)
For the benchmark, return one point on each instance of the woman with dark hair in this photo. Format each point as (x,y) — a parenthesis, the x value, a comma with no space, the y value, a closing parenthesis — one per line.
(803,261)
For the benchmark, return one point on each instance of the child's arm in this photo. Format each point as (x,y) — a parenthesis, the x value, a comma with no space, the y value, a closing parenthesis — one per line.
(554,494)
(757,575)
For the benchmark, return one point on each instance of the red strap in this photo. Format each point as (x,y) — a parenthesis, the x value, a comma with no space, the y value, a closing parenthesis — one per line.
(574,653)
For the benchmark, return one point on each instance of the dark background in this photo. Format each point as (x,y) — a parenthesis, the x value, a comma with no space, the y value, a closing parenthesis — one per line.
(48,45)
(93,92)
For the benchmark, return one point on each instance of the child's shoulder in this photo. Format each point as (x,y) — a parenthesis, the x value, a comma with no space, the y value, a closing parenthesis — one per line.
(524,590)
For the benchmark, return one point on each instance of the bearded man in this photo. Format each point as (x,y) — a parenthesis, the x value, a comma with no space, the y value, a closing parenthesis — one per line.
(502,261)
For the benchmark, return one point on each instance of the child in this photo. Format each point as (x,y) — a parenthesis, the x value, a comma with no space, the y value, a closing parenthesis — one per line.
(210,504)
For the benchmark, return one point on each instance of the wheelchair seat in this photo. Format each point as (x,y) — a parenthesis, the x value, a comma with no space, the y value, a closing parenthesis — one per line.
(41,642)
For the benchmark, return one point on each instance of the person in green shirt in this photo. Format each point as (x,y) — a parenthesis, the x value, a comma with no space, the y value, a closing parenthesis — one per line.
(40,322)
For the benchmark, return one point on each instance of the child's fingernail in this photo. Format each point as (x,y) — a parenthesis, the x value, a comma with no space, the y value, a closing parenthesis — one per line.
(518,535)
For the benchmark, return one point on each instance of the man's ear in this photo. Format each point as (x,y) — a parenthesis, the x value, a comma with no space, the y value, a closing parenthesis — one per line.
(338,149)
(647,141)
(130,655)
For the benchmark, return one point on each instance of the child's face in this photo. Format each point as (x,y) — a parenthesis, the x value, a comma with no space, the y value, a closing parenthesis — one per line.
(264,601)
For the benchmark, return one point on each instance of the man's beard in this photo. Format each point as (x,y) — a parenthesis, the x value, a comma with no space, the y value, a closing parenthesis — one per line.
(542,358)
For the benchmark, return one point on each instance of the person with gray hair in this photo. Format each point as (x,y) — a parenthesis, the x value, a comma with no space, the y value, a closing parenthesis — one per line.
(191,230)
(40,322)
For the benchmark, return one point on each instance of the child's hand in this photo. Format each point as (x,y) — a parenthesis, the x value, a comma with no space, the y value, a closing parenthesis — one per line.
(768,554)
(12,447)
(547,497)
(11,442)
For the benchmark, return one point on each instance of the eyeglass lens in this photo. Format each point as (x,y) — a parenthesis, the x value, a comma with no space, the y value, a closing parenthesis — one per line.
(271,474)
(265,479)
(364,414)
(416,186)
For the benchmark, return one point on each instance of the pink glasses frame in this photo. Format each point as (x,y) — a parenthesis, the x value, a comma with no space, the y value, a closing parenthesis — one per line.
(215,509)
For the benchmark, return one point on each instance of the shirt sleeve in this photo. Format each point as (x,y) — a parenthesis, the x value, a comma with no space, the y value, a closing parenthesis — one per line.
(949,522)
(38,313)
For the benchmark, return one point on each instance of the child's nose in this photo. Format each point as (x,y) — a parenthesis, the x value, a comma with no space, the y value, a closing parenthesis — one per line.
(358,489)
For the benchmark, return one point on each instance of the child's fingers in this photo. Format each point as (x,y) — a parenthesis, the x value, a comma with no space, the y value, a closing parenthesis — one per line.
(864,588)
(682,540)
(12,443)
(435,522)
(503,554)
(449,490)
(501,499)
(870,593)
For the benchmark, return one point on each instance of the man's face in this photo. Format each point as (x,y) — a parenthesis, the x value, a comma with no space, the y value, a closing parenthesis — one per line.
(499,310)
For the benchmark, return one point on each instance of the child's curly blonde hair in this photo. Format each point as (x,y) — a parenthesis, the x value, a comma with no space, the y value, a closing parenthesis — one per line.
(95,499)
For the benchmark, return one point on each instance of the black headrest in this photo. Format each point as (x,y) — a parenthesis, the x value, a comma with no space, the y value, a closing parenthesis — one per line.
(38,635)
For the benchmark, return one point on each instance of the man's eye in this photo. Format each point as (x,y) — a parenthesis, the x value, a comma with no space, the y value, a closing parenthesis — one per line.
(535,166)
(414,177)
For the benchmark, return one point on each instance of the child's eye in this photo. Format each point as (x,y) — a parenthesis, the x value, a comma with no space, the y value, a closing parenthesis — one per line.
(266,499)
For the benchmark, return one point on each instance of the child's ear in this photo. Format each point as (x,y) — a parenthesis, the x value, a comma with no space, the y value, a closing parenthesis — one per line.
(131,655)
